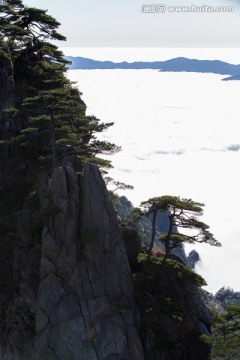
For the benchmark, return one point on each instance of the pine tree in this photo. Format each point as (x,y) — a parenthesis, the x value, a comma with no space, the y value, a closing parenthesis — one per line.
(183,214)
(49,109)
(57,127)
(226,333)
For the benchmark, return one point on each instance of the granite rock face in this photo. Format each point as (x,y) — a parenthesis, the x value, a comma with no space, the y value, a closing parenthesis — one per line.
(85,304)
(72,295)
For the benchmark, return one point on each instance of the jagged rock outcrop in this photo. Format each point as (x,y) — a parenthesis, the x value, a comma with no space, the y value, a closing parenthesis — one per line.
(193,258)
(133,246)
(227,296)
(85,307)
(72,296)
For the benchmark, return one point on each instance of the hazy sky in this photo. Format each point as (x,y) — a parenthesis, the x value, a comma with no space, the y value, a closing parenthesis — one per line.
(110,23)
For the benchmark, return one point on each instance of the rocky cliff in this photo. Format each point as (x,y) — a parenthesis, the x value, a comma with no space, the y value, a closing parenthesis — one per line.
(73,298)
(85,303)
(67,290)
(71,295)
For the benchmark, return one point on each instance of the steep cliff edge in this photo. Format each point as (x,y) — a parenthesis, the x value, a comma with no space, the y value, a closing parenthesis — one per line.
(85,305)
(71,294)
(66,285)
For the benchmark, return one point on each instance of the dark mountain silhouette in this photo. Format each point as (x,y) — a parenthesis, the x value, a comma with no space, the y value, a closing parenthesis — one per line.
(233,77)
(179,64)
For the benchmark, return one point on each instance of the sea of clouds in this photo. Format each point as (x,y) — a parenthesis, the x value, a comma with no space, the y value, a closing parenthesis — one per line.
(179,135)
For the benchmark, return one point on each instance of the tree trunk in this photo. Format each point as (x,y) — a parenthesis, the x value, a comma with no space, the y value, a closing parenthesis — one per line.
(153,232)
(168,238)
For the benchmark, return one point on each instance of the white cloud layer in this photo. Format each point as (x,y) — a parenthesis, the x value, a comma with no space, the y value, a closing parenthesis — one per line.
(179,134)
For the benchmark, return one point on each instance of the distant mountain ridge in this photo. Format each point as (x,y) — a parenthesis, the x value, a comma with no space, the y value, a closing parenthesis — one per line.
(179,64)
